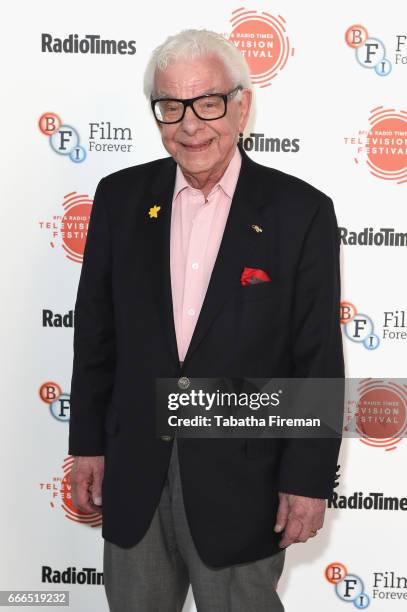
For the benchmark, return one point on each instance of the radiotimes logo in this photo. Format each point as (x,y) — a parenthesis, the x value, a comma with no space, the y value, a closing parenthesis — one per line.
(57,319)
(69,230)
(59,402)
(102,137)
(383,146)
(371,53)
(71,575)
(58,489)
(91,44)
(258,142)
(263,41)
(384,236)
(348,587)
(376,411)
(359,500)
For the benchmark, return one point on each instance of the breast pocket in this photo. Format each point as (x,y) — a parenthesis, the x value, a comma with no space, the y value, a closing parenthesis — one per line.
(258,291)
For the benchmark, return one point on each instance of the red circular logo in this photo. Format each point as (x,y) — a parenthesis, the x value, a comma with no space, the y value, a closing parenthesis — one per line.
(263,41)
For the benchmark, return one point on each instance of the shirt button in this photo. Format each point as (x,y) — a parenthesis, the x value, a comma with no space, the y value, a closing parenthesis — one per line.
(195,265)
(191,311)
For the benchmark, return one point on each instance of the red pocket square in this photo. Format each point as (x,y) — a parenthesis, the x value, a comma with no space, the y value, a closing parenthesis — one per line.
(251,276)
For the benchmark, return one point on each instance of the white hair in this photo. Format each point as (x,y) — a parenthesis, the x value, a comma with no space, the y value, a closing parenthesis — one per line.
(192,44)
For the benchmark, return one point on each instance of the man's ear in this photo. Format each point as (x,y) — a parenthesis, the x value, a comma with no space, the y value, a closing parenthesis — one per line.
(245,106)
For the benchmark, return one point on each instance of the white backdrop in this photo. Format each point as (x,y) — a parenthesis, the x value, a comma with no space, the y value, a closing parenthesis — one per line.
(321,99)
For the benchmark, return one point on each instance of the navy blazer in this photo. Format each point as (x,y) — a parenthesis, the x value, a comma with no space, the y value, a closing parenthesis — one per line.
(125,337)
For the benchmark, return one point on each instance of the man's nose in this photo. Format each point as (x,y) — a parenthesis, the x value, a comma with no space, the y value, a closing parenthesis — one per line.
(190,122)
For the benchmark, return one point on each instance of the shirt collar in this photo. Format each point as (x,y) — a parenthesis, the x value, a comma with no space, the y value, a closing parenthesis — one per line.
(227,182)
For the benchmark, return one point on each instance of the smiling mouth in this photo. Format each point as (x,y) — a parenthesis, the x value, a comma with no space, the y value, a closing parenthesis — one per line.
(196,148)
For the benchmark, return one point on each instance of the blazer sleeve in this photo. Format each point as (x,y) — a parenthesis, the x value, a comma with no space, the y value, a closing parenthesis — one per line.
(94,338)
(308,465)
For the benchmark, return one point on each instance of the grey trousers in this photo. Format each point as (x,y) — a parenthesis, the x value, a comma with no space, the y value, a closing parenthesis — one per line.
(155,574)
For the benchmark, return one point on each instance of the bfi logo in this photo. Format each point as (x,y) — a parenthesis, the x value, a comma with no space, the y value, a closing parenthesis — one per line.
(103,137)
(358,326)
(59,403)
(348,587)
(63,138)
(370,51)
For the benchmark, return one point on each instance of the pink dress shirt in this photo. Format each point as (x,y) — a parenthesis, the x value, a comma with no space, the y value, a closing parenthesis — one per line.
(197,227)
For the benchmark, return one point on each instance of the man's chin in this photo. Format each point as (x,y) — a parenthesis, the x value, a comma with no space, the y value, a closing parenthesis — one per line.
(195,164)
(196,167)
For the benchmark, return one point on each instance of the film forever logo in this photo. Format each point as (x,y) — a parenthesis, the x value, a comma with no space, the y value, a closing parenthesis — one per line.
(103,137)
(371,53)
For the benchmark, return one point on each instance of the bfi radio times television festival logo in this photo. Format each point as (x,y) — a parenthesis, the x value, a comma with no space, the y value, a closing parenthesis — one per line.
(65,140)
(263,41)
(376,411)
(58,491)
(58,401)
(68,230)
(383,146)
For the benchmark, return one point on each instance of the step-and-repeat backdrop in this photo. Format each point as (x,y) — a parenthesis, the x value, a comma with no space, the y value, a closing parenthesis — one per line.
(331,108)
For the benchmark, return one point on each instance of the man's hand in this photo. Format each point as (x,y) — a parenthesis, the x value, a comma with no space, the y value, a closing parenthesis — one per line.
(299,517)
(86,482)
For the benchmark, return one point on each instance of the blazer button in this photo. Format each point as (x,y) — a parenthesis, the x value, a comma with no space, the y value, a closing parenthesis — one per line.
(184,382)
(166,438)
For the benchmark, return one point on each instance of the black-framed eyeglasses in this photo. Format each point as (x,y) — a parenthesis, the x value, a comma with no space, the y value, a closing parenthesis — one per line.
(207,107)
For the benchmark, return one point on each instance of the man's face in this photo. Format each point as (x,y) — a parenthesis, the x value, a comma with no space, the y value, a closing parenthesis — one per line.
(198,146)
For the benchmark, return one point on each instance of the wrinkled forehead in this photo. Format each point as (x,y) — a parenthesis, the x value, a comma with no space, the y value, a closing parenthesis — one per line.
(186,78)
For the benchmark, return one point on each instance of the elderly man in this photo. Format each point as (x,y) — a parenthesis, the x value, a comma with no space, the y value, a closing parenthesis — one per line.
(165,291)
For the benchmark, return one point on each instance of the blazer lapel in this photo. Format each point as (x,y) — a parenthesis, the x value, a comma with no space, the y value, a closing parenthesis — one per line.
(157,234)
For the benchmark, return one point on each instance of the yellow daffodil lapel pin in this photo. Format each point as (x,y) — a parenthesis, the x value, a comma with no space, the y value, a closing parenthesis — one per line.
(153,212)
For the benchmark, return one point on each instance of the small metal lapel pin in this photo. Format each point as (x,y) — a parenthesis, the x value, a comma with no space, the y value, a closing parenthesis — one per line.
(257,228)
(153,212)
